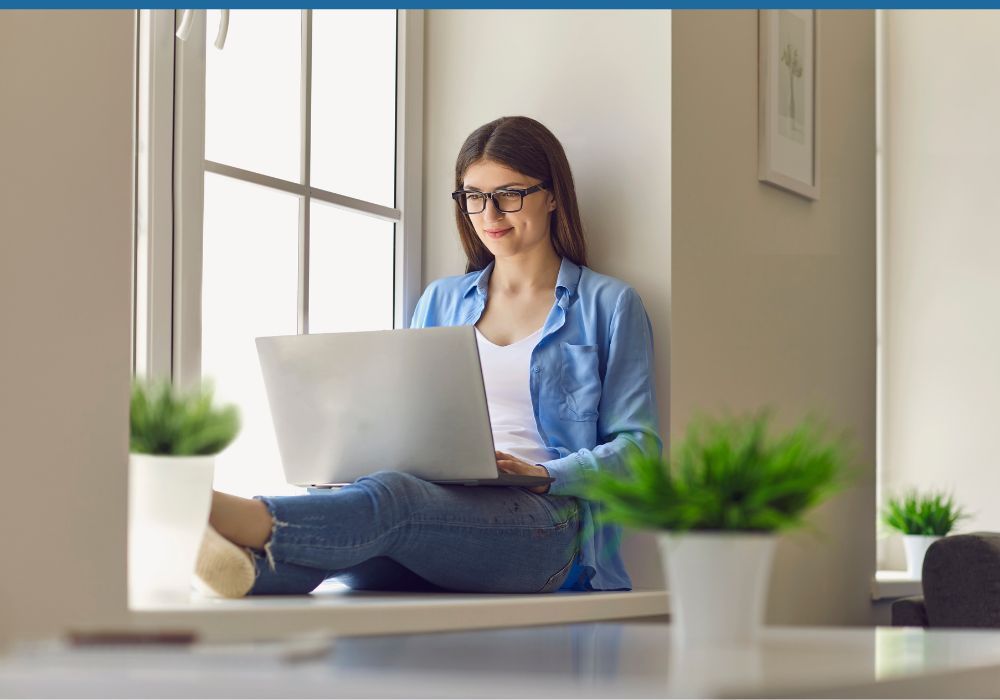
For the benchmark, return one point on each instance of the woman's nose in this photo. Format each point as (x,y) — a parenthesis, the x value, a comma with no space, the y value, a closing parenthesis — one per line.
(492,212)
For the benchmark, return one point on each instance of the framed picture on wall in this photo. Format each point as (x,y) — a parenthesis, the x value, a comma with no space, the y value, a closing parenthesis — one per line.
(788,120)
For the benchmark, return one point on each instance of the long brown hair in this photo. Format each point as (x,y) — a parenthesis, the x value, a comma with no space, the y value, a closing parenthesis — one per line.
(524,145)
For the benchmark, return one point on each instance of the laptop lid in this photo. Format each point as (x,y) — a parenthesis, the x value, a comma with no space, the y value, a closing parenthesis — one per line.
(345,405)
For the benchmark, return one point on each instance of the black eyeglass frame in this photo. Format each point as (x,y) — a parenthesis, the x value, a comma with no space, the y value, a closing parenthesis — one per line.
(524,192)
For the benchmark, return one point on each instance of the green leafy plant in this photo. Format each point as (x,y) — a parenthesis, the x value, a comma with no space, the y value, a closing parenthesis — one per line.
(726,475)
(913,513)
(165,421)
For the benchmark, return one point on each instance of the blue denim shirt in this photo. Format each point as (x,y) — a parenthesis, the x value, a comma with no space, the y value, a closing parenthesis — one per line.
(591,388)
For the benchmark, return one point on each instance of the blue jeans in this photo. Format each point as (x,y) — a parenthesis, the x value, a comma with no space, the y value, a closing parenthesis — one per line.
(393,531)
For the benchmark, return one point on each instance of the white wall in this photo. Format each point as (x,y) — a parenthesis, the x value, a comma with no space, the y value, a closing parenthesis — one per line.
(942,259)
(600,80)
(66,80)
(773,296)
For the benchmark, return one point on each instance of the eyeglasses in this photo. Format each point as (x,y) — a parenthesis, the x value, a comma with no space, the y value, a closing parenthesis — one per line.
(508,200)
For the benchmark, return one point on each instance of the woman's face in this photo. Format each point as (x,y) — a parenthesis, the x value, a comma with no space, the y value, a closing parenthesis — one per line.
(514,233)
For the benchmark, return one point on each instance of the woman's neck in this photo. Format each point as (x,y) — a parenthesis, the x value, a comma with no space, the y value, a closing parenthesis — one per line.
(525,274)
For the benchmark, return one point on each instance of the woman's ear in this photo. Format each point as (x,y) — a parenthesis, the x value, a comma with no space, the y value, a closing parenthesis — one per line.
(552,203)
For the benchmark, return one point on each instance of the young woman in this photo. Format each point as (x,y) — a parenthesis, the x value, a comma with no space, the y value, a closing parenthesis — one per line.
(567,359)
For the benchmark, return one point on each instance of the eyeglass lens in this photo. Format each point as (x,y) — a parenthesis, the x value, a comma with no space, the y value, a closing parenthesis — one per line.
(505,200)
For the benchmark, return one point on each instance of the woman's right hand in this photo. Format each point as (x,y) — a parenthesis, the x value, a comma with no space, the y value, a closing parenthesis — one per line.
(512,465)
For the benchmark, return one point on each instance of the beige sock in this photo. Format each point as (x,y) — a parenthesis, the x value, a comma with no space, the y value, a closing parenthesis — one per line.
(223,569)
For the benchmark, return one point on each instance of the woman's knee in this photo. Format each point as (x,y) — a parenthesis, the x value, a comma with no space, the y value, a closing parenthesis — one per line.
(394,494)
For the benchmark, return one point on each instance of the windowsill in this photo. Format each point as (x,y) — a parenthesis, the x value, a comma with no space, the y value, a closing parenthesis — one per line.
(889,585)
(338,610)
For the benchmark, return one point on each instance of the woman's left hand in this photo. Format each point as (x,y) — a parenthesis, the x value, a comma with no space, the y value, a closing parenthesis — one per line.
(512,465)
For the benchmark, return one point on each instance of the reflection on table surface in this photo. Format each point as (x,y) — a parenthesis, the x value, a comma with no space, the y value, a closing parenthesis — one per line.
(583,660)
(641,658)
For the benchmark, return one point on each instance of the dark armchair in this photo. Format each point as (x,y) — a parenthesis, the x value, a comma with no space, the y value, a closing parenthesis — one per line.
(961,585)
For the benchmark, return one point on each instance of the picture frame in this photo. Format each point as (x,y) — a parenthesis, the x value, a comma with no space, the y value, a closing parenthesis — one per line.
(788,96)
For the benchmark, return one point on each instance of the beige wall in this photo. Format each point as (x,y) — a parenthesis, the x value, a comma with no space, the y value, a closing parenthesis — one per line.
(66,80)
(942,260)
(774,295)
(601,81)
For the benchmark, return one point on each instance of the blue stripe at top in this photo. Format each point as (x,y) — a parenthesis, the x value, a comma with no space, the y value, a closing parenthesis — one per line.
(511,5)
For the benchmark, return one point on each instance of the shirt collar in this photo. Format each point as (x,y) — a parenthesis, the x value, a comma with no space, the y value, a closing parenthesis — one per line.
(480,283)
(569,277)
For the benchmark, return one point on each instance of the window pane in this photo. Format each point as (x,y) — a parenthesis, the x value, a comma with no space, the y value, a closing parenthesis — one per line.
(250,288)
(350,271)
(354,103)
(253,92)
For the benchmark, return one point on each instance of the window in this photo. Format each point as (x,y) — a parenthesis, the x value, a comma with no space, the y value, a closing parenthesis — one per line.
(278,194)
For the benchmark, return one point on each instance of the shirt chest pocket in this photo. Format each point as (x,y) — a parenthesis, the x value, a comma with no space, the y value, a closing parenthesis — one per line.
(580,383)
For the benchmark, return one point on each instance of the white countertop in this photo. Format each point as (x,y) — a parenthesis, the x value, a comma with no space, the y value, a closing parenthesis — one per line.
(895,584)
(583,660)
(336,609)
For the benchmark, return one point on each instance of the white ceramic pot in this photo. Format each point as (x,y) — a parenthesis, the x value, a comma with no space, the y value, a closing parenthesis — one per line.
(916,547)
(718,584)
(169,502)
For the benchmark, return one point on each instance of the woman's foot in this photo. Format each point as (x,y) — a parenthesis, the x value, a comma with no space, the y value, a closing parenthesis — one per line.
(223,568)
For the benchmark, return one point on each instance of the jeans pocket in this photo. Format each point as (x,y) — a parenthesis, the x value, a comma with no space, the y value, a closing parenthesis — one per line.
(563,509)
(558,578)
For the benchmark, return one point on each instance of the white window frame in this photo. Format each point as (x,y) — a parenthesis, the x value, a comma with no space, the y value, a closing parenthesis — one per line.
(170,189)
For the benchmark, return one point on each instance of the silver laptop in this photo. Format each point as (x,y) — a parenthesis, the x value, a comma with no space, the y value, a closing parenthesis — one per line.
(345,405)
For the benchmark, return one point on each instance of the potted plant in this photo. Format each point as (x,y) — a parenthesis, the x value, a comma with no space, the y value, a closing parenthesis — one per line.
(922,519)
(174,437)
(718,503)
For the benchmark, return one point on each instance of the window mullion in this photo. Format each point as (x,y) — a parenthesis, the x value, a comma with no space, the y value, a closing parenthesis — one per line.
(356,205)
(338,200)
(189,203)
(409,162)
(154,219)
(305,203)
(254,178)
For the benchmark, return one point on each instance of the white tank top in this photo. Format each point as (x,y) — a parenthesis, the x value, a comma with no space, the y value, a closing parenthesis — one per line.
(506,372)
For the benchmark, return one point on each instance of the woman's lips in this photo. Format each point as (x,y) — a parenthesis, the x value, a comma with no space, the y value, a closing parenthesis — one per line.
(496,232)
